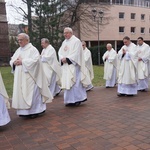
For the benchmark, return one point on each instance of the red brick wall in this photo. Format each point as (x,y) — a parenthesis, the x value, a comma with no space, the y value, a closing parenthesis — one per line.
(2,8)
(4,38)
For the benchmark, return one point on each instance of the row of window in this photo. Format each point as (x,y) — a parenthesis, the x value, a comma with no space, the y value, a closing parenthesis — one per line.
(133,16)
(133,30)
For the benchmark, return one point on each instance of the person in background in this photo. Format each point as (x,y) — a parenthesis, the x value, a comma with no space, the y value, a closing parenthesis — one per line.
(127,68)
(74,81)
(4,104)
(110,66)
(143,64)
(88,64)
(30,89)
(51,66)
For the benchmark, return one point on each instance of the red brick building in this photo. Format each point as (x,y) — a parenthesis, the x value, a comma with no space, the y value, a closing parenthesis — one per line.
(4,38)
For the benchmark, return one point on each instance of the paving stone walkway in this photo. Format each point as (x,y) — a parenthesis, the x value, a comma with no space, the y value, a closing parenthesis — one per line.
(104,122)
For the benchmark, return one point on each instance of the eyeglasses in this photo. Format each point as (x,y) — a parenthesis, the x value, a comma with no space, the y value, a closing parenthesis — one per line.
(20,39)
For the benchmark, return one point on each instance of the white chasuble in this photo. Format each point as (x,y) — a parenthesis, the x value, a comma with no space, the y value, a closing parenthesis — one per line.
(143,65)
(3,92)
(72,49)
(4,104)
(88,63)
(110,63)
(27,76)
(127,65)
(50,64)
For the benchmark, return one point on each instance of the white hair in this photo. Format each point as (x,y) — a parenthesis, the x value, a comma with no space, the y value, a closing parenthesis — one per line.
(83,42)
(69,29)
(109,45)
(45,40)
(25,36)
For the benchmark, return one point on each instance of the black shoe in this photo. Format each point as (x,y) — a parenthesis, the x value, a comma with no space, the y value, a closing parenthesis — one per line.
(121,95)
(144,90)
(58,93)
(33,116)
(24,116)
(130,95)
(77,103)
(70,104)
(41,112)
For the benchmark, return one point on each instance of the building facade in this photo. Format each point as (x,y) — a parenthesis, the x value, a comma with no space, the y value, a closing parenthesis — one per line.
(121,18)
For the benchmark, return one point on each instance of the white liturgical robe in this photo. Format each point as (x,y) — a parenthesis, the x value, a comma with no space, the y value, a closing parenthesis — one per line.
(73,79)
(30,90)
(110,67)
(89,66)
(51,68)
(127,70)
(143,66)
(4,104)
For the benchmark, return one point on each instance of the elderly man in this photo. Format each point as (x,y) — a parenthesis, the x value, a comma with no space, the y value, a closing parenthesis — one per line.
(110,66)
(73,78)
(30,90)
(143,64)
(127,69)
(88,64)
(4,104)
(51,66)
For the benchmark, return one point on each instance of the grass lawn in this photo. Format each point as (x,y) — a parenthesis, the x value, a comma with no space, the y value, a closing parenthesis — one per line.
(8,78)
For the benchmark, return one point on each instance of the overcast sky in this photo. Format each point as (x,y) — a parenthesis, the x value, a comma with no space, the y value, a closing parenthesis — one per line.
(12,16)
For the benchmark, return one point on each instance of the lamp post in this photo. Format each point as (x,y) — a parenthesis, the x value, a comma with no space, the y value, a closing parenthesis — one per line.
(99,15)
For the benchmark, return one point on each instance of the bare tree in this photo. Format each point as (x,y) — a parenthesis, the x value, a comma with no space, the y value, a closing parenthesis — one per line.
(47,18)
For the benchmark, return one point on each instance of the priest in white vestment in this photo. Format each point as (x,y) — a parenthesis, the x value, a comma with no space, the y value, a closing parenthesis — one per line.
(30,89)
(143,64)
(110,66)
(127,69)
(4,104)
(51,66)
(88,65)
(73,80)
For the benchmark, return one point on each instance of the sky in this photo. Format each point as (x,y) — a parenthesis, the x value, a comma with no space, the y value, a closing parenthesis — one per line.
(14,17)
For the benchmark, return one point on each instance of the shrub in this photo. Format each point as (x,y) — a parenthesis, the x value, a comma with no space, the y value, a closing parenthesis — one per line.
(94,52)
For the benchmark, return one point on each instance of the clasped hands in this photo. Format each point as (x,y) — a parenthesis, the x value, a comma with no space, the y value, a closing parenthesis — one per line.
(124,51)
(63,60)
(18,61)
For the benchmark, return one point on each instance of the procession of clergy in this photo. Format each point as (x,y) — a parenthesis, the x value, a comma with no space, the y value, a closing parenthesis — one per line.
(39,78)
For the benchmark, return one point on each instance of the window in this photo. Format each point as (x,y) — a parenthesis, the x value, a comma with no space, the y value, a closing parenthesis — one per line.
(147,4)
(132,29)
(132,15)
(121,29)
(142,30)
(121,15)
(142,16)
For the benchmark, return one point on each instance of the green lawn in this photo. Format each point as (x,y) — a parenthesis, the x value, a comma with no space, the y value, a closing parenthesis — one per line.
(8,78)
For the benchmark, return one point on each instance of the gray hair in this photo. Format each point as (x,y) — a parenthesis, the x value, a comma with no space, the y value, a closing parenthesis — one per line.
(109,45)
(83,42)
(69,29)
(45,40)
(25,36)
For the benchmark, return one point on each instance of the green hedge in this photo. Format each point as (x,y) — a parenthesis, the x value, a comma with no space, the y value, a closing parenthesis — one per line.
(94,52)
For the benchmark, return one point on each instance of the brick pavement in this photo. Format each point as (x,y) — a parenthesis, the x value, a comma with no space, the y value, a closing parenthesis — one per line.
(104,122)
